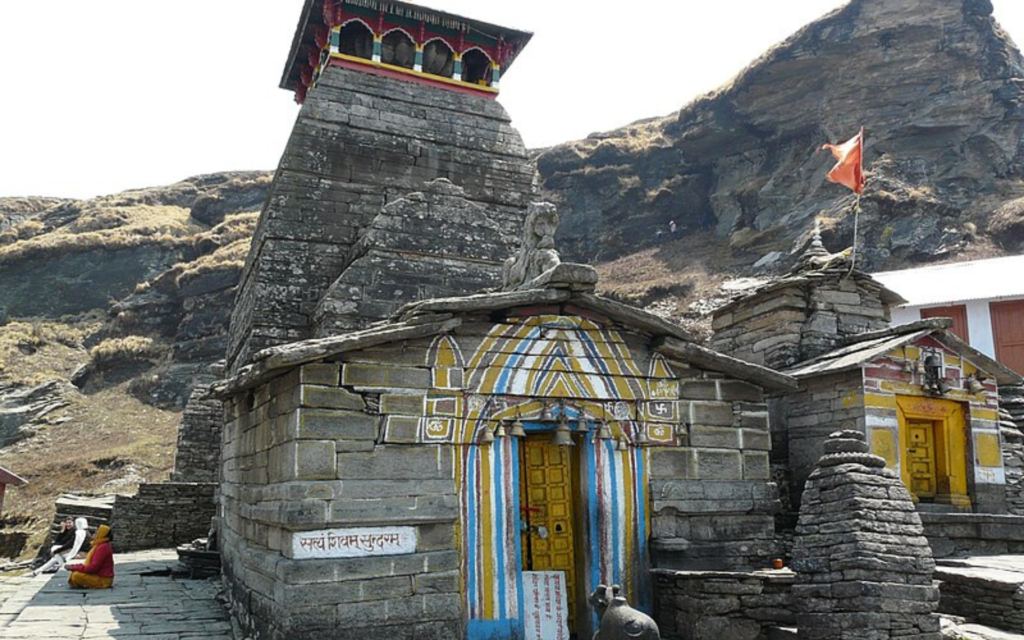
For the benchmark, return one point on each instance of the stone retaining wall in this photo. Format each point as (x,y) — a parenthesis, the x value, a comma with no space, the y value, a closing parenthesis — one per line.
(960,534)
(712,605)
(197,455)
(162,516)
(987,596)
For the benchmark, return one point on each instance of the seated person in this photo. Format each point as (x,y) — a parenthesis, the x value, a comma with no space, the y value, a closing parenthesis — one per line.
(66,545)
(97,572)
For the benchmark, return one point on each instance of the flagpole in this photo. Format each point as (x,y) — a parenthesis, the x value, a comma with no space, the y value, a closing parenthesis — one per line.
(853,254)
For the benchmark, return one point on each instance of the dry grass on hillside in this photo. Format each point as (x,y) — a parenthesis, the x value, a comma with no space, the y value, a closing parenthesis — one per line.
(667,278)
(234,236)
(100,227)
(35,351)
(683,265)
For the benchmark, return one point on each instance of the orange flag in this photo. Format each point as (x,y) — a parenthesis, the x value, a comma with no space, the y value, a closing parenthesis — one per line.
(849,169)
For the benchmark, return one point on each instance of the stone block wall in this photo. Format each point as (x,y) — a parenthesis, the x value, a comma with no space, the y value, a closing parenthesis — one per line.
(303,453)
(360,142)
(1011,428)
(197,456)
(712,605)
(807,417)
(960,534)
(765,330)
(713,500)
(430,244)
(163,516)
(799,317)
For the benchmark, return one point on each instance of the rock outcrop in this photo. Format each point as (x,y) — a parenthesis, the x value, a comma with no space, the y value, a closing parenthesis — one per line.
(937,83)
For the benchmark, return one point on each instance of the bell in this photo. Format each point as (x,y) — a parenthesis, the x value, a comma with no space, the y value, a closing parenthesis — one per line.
(581,424)
(517,429)
(621,445)
(486,436)
(641,436)
(500,431)
(974,385)
(563,437)
(547,414)
(605,432)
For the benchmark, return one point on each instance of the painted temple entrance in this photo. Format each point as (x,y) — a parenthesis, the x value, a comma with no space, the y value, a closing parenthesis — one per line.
(571,494)
(933,440)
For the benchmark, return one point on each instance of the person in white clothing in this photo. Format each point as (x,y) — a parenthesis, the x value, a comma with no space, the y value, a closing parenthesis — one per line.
(61,553)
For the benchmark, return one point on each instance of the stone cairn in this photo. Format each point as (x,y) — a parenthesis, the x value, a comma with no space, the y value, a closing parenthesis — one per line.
(864,567)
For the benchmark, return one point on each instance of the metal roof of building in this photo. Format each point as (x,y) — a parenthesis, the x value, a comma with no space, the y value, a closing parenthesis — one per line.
(958,282)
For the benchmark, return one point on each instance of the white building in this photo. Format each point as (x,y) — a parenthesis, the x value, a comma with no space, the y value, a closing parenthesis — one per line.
(985,299)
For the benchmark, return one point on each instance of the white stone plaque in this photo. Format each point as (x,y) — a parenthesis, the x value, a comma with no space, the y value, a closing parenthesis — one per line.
(545,605)
(354,543)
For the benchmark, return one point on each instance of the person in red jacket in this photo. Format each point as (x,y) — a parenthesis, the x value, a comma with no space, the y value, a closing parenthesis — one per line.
(98,570)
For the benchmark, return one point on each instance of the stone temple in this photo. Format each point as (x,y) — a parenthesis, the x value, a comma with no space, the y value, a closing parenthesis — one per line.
(435,429)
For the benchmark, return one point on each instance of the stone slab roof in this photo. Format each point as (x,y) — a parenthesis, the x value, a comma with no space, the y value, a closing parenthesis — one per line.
(431,317)
(877,343)
(807,277)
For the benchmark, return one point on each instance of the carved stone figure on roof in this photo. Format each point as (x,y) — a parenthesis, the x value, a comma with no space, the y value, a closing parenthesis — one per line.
(537,254)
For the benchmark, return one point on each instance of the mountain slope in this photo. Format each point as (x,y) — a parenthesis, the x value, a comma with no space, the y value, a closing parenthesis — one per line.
(937,83)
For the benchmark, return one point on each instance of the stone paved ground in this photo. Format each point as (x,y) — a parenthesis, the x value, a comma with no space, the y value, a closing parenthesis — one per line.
(139,607)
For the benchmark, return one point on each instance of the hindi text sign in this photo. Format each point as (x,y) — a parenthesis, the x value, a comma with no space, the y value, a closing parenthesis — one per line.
(545,605)
(354,543)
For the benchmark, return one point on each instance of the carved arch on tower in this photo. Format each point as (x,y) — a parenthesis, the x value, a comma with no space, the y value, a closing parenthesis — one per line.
(356,39)
(398,48)
(476,66)
(438,57)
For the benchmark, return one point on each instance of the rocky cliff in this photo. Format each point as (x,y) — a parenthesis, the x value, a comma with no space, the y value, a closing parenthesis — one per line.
(938,85)
(162,264)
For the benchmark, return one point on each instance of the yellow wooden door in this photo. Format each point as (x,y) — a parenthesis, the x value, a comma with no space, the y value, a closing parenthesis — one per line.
(933,446)
(547,505)
(921,458)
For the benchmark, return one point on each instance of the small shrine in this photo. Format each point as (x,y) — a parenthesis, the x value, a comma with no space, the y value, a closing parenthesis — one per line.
(926,401)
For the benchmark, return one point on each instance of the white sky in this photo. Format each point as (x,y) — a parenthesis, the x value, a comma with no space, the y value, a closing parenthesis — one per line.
(98,96)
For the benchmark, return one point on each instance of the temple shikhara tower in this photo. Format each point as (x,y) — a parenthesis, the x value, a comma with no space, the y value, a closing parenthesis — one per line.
(394,97)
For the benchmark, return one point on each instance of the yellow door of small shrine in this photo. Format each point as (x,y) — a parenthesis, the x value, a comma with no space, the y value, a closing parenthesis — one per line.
(921,458)
(549,508)
(933,450)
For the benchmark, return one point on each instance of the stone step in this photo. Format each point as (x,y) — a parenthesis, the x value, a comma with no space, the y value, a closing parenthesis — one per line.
(983,590)
(981,632)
